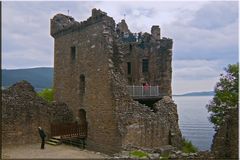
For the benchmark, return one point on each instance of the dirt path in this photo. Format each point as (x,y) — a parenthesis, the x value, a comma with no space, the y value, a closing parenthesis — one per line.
(62,151)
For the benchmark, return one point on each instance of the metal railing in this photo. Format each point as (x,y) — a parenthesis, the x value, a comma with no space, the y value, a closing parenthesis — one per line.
(69,130)
(143,91)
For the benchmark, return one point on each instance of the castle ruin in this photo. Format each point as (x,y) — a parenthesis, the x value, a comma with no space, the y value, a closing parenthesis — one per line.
(99,72)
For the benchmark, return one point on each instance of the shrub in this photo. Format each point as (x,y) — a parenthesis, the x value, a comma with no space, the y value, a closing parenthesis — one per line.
(46,94)
(188,147)
(226,95)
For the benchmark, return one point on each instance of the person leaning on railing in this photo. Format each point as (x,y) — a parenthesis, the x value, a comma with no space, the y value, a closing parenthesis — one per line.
(145,88)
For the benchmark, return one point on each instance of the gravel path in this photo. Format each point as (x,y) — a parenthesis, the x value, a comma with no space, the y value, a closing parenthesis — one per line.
(62,151)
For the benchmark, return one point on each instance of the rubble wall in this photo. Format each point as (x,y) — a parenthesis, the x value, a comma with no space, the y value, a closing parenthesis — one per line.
(139,126)
(23,112)
(143,128)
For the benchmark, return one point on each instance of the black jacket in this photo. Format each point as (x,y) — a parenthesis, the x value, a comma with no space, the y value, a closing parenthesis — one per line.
(41,133)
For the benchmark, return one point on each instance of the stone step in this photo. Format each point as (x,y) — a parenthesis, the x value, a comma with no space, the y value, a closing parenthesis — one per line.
(54,140)
(74,142)
(52,143)
(56,137)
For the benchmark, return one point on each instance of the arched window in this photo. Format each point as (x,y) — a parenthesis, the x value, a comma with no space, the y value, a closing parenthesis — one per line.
(82,84)
(73,53)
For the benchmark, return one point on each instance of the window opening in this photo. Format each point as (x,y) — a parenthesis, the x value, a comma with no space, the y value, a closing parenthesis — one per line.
(129,67)
(145,65)
(73,53)
(82,84)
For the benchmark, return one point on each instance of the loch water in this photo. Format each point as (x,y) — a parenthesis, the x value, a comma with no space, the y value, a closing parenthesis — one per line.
(193,120)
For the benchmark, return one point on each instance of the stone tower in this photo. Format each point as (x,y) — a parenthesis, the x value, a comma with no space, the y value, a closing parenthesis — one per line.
(91,76)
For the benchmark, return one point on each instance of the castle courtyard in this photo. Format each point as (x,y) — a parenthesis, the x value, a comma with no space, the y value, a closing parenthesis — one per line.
(30,151)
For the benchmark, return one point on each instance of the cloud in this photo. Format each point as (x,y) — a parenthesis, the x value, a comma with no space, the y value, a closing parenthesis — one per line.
(28,58)
(195,75)
(186,86)
(216,15)
(195,69)
(26,24)
(194,42)
(205,34)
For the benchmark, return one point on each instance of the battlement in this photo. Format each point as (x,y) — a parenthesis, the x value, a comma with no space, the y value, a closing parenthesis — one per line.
(62,24)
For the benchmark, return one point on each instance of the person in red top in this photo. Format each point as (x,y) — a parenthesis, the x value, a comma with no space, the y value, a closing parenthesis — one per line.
(146,88)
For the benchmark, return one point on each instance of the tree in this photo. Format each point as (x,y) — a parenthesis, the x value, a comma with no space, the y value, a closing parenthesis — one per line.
(226,95)
(46,94)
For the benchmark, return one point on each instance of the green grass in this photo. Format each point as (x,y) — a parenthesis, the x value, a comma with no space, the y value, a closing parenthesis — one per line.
(138,154)
(188,147)
(164,157)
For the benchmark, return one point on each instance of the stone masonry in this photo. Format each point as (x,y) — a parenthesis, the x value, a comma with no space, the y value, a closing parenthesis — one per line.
(23,112)
(90,74)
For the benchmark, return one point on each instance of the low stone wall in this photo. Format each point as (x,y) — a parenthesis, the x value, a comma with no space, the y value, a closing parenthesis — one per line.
(23,112)
(143,128)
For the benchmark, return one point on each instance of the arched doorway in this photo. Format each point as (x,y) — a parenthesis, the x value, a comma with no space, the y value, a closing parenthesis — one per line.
(170,137)
(82,116)
(83,123)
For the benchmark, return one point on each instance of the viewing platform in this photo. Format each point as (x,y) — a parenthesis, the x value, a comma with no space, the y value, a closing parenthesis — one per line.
(144,92)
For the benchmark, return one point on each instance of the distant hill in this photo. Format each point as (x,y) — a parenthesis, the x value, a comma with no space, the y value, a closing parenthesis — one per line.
(205,93)
(39,77)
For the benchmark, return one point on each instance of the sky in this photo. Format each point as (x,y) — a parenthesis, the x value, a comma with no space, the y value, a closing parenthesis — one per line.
(205,34)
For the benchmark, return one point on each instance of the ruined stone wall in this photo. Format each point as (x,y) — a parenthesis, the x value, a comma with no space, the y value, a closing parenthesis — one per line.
(225,141)
(23,112)
(92,58)
(158,52)
(135,57)
(139,126)
(164,66)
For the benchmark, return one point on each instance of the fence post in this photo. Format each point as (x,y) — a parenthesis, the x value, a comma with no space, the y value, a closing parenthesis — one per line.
(133,90)
(150,89)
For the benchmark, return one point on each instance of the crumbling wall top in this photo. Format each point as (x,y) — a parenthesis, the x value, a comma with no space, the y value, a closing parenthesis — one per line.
(98,13)
(155,31)
(123,27)
(62,24)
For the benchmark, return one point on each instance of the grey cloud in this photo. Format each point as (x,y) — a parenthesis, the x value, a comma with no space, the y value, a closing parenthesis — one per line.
(216,15)
(27,43)
(196,43)
(26,26)
(195,69)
